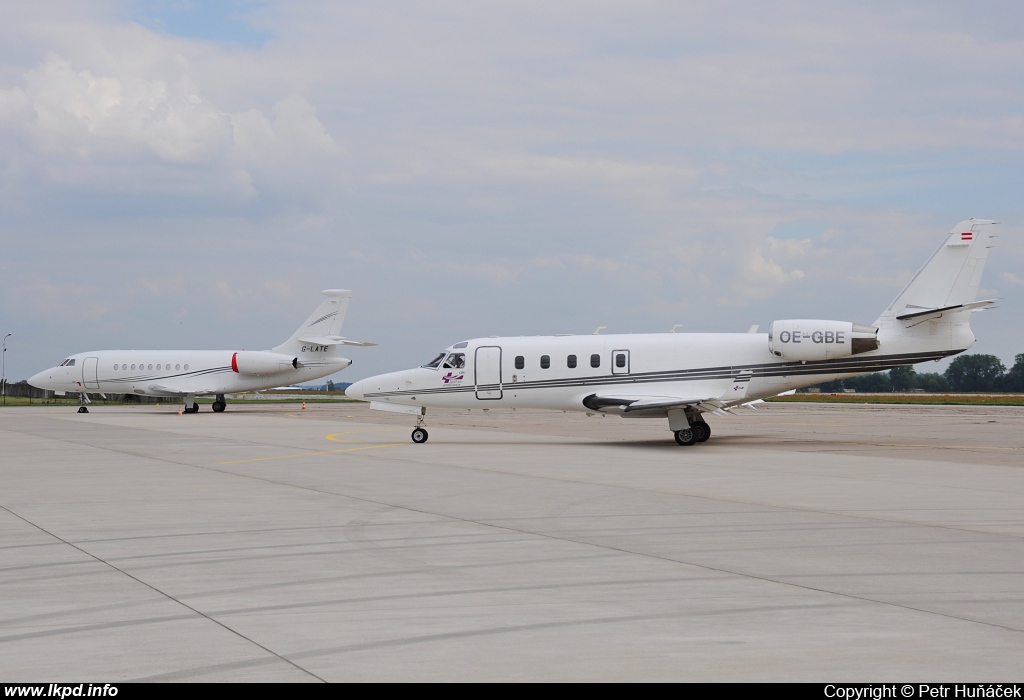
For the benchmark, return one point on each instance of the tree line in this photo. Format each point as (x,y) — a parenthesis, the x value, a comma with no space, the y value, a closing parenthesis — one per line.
(968,373)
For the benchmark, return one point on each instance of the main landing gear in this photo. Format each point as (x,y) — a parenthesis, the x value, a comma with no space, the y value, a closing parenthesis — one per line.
(219,405)
(697,432)
(419,433)
(687,426)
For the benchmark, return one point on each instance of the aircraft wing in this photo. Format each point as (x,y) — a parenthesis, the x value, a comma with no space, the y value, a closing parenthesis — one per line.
(658,404)
(730,395)
(164,390)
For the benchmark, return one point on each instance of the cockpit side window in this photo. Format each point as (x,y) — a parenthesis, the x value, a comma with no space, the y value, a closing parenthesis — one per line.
(455,361)
(436,362)
(71,362)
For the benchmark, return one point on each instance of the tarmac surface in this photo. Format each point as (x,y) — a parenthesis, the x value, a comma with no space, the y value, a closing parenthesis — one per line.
(802,542)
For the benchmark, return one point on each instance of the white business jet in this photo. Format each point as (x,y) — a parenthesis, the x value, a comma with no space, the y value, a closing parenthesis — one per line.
(310,353)
(683,376)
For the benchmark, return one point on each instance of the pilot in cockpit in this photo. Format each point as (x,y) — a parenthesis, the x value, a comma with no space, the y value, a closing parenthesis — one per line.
(455,361)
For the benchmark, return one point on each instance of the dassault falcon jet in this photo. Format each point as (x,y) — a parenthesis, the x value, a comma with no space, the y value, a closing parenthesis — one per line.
(684,376)
(310,353)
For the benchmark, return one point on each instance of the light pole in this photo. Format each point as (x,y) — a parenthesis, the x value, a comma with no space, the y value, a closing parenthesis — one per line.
(3,372)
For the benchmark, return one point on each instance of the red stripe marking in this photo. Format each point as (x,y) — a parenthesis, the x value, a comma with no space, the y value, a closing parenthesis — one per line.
(234,363)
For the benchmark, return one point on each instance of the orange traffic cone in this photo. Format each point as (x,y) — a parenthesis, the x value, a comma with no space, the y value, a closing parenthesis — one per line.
(303,405)
(179,410)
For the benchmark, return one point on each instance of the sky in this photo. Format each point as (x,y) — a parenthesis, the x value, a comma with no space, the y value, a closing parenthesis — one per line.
(186,175)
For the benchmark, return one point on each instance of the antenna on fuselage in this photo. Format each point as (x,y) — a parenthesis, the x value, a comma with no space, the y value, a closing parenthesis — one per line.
(597,331)
(673,329)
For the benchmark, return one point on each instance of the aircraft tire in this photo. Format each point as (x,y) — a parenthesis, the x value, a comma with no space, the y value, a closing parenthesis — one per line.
(83,409)
(703,430)
(419,436)
(218,406)
(686,437)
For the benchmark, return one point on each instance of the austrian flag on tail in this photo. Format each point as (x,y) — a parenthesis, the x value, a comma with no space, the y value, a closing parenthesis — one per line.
(967,236)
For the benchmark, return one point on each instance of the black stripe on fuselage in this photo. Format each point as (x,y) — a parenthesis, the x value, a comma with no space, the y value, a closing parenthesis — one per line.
(193,374)
(846,365)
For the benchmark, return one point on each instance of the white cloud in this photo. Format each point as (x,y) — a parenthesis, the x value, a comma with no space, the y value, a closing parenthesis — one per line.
(81,115)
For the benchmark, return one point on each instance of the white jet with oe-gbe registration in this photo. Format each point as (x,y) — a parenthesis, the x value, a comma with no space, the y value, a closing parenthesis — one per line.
(311,353)
(683,376)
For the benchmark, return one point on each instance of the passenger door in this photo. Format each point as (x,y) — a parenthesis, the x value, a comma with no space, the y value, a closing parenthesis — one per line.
(90,368)
(487,371)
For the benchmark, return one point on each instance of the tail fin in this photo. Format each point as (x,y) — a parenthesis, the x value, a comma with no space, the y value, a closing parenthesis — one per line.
(949,280)
(323,325)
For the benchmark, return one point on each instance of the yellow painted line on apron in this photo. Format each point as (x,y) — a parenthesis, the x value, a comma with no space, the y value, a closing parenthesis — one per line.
(333,437)
(314,454)
(932,447)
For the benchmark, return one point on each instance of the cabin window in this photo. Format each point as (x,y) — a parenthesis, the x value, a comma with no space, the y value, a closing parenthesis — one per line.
(115,367)
(545,361)
(433,364)
(595,360)
(455,361)
(133,366)
(520,362)
(571,362)
(186,366)
(158,366)
(620,360)
(151,366)
(177,366)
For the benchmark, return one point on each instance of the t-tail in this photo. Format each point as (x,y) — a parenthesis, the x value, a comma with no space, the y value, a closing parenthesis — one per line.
(933,311)
(319,335)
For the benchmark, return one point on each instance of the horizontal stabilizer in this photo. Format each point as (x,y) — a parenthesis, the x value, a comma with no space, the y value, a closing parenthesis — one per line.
(333,340)
(925,313)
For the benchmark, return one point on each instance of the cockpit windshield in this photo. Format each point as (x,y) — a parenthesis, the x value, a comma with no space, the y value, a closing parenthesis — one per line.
(67,363)
(436,362)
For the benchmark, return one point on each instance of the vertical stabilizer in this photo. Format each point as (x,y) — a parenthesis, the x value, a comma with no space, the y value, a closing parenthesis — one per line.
(324,323)
(951,276)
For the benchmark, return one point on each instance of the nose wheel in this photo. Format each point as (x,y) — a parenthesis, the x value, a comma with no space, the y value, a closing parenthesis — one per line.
(419,433)
(83,409)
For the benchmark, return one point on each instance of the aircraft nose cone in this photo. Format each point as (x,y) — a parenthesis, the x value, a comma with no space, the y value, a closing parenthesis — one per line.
(39,381)
(355,391)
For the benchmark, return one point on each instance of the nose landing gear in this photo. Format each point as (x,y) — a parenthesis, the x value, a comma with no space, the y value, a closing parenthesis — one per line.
(82,400)
(419,433)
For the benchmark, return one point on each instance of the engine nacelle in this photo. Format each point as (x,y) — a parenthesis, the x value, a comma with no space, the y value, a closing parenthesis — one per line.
(260,363)
(806,340)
